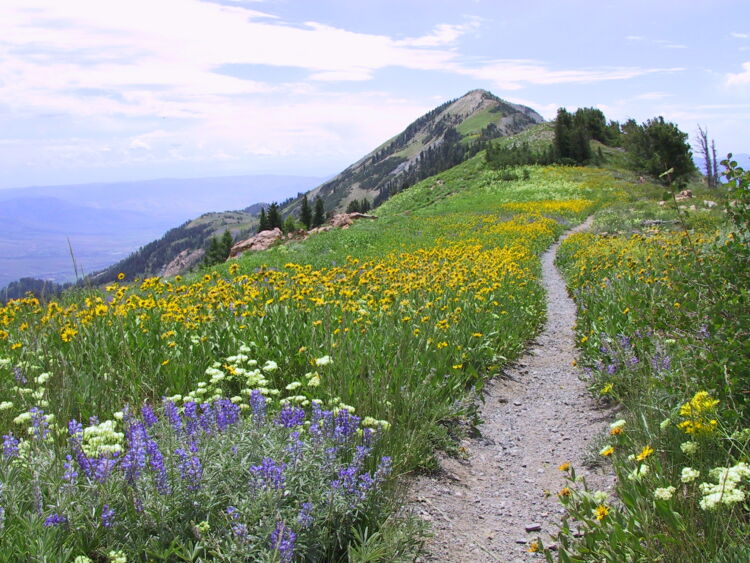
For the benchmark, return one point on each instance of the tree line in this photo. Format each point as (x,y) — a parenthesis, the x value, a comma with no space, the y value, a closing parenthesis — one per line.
(655,147)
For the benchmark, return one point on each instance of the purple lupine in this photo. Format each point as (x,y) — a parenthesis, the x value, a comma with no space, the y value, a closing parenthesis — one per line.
(383,470)
(54,520)
(207,418)
(191,417)
(227,414)
(39,423)
(75,429)
(173,416)
(304,518)
(282,540)
(703,332)
(632,361)
(240,532)
(360,453)
(70,475)
(233,513)
(10,445)
(661,362)
(347,425)
(365,485)
(135,459)
(290,416)
(258,404)
(18,375)
(156,462)
(625,342)
(368,437)
(108,516)
(191,470)
(347,480)
(612,368)
(269,474)
(149,416)
(103,467)
(295,447)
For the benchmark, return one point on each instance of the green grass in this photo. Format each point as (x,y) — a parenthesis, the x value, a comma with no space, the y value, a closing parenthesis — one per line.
(663,326)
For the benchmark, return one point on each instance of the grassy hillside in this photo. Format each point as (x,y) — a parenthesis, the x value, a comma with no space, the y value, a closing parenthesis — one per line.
(264,409)
(397,320)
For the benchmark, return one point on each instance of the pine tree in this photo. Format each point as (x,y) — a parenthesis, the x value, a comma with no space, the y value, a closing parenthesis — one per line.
(213,253)
(306,215)
(263,221)
(320,213)
(354,207)
(365,206)
(274,216)
(226,245)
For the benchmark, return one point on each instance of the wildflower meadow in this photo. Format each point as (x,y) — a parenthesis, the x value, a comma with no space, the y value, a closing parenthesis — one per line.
(263,409)
(663,326)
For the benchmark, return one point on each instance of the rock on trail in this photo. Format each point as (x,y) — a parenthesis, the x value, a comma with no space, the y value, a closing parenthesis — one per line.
(490,506)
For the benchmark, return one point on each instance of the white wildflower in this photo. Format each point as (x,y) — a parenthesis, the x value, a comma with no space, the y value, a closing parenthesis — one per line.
(664,493)
(324,361)
(689,448)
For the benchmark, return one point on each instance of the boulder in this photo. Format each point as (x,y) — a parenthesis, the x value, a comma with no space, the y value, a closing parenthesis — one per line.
(262,241)
(183,261)
(345,220)
(684,195)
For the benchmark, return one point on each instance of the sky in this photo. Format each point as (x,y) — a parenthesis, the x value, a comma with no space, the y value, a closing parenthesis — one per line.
(106,90)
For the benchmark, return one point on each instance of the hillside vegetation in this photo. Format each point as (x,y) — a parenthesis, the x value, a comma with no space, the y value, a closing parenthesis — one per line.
(389,325)
(265,408)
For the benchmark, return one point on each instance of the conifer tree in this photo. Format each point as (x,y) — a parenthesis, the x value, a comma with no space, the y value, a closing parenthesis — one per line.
(306,215)
(213,252)
(353,207)
(226,245)
(274,216)
(263,221)
(320,213)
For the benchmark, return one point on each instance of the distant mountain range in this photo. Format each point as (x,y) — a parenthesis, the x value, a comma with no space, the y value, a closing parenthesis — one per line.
(103,223)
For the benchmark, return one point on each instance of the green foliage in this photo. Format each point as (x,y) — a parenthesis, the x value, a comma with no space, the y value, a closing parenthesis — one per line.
(211,482)
(319,216)
(663,326)
(359,206)
(291,225)
(274,217)
(263,224)
(659,149)
(306,215)
(500,156)
(218,249)
(572,138)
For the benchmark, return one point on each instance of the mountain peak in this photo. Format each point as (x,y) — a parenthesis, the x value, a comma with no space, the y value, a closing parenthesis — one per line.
(441,138)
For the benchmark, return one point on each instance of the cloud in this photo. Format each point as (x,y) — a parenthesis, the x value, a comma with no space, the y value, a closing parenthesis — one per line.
(652,96)
(126,70)
(741,77)
(663,43)
(514,74)
(443,34)
(737,35)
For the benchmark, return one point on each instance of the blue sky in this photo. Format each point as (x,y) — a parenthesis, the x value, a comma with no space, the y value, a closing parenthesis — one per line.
(101,90)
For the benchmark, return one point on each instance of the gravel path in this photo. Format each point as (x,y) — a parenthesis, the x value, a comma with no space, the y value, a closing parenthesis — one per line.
(538,417)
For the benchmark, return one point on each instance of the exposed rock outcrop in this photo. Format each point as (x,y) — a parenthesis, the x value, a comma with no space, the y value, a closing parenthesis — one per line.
(183,261)
(262,241)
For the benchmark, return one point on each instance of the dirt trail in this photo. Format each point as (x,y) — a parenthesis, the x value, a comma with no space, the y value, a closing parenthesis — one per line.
(537,418)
